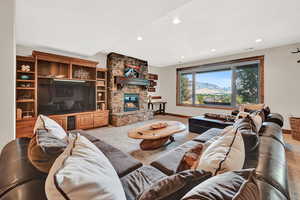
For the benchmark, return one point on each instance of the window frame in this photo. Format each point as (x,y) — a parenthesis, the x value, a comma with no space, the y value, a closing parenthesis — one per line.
(216,67)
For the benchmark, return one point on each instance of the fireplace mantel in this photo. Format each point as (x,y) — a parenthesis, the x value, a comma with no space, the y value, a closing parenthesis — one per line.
(122,81)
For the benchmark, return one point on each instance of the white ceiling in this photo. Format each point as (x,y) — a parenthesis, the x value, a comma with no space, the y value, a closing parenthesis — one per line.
(92,26)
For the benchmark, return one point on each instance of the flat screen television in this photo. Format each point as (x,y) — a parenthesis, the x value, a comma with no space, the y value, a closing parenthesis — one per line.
(63,97)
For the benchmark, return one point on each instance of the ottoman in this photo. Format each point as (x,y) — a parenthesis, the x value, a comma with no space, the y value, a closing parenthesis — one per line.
(200,124)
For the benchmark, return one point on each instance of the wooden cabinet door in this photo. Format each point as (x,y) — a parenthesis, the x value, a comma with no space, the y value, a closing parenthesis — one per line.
(101,118)
(61,120)
(24,128)
(84,121)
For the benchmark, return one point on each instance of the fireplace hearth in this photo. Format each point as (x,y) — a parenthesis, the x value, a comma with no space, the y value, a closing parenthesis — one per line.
(131,102)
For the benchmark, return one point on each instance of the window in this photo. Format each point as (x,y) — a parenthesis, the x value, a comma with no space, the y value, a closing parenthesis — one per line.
(222,84)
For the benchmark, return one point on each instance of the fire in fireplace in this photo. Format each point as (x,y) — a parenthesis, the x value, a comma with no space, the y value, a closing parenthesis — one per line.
(131,102)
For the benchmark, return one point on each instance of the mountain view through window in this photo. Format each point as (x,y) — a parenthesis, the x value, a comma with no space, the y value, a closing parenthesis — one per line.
(230,86)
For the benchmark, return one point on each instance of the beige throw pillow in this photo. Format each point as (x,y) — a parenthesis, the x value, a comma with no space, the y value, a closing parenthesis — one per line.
(227,153)
(45,123)
(48,142)
(83,172)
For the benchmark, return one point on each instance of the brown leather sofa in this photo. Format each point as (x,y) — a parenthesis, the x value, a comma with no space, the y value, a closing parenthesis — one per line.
(268,159)
(20,180)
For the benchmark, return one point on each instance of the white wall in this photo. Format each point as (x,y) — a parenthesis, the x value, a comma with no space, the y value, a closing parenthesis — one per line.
(27,51)
(282,82)
(7,75)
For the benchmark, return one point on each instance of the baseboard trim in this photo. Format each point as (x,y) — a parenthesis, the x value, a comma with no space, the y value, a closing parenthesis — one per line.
(286,131)
(177,115)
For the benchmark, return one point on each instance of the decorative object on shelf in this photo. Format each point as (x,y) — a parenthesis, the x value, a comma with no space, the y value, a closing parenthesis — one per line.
(24,96)
(297,51)
(25,77)
(25,68)
(19,114)
(60,76)
(295,127)
(103,107)
(81,74)
(99,95)
(25,85)
(27,116)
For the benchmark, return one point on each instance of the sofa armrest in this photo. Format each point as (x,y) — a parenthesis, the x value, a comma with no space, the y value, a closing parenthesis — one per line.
(275,118)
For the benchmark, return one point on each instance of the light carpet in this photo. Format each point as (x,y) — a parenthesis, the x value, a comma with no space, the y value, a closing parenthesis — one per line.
(117,137)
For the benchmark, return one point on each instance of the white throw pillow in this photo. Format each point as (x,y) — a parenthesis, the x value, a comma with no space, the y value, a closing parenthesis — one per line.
(45,123)
(227,153)
(82,172)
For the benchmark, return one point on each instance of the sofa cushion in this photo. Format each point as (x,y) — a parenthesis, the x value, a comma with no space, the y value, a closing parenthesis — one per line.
(237,185)
(48,142)
(170,162)
(207,135)
(220,156)
(175,186)
(140,180)
(122,162)
(83,172)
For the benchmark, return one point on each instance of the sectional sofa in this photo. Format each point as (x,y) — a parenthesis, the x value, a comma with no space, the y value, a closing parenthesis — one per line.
(20,180)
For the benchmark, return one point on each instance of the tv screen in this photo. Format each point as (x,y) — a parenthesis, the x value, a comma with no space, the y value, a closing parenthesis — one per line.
(62,97)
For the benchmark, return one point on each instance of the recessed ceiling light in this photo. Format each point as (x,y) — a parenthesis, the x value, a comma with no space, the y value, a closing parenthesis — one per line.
(176,20)
(182,57)
(139,38)
(213,50)
(258,40)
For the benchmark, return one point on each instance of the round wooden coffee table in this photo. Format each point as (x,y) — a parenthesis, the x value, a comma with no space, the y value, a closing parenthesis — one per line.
(156,138)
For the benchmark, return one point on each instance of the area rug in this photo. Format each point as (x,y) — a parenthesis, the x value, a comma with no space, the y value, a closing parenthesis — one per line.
(117,137)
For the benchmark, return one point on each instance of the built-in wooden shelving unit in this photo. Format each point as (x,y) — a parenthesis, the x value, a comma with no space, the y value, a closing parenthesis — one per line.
(101,88)
(25,87)
(51,66)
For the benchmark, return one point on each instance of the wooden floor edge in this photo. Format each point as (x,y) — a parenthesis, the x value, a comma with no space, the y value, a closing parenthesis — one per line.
(286,131)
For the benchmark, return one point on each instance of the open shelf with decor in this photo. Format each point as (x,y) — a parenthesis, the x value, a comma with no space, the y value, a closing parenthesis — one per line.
(25,87)
(101,89)
(83,73)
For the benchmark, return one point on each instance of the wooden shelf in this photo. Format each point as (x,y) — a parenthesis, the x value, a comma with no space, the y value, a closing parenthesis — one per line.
(102,101)
(101,79)
(30,72)
(24,100)
(21,80)
(25,88)
(101,90)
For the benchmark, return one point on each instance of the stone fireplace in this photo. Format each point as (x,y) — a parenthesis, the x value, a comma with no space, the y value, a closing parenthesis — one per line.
(127,90)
